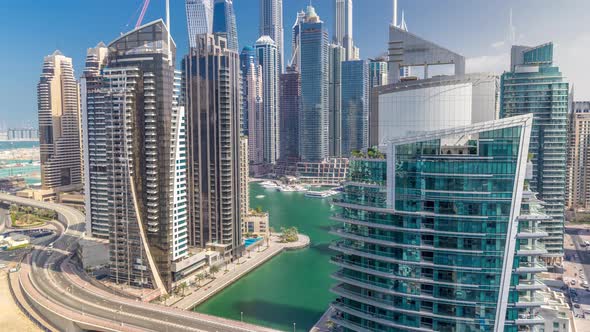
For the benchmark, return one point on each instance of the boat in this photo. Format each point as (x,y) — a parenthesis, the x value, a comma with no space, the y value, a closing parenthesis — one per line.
(286,189)
(260,196)
(320,194)
(269,185)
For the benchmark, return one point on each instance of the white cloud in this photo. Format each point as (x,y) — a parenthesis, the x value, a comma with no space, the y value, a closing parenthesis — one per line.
(498,44)
(571,59)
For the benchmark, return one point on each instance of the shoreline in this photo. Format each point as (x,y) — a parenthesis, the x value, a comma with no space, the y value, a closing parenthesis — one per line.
(221,282)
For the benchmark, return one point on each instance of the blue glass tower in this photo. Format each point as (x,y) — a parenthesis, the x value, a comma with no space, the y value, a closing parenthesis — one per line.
(224,21)
(355,106)
(313,118)
(440,234)
(535,85)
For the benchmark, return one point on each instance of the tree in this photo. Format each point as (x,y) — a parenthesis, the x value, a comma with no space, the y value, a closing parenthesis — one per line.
(183,287)
(289,234)
(198,278)
(214,269)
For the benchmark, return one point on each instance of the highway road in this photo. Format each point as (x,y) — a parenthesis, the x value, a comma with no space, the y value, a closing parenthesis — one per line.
(52,275)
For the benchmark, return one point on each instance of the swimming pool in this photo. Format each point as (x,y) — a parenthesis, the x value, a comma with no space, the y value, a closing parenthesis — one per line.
(250,241)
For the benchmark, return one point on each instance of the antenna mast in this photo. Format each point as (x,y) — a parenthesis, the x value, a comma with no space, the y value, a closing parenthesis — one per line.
(394,13)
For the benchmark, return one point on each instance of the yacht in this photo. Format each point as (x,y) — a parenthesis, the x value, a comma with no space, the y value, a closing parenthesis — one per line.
(320,194)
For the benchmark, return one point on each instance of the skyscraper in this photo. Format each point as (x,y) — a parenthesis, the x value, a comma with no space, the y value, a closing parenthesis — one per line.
(535,85)
(199,18)
(247,59)
(578,179)
(213,130)
(296,39)
(58,102)
(289,115)
(313,118)
(355,106)
(95,143)
(421,249)
(271,24)
(336,56)
(268,57)
(145,150)
(244,171)
(343,28)
(224,22)
(377,72)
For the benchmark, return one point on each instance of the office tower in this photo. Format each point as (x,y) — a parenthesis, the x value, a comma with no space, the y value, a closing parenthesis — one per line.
(296,39)
(95,145)
(58,101)
(268,57)
(407,50)
(247,60)
(289,115)
(343,28)
(336,56)
(224,22)
(271,24)
(145,150)
(535,85)
(313,117)
(578,179)
(377,72)
(244,171)
(252,108)
(199,19)
(421,249)
(355,106)
(213,129)
(436,103)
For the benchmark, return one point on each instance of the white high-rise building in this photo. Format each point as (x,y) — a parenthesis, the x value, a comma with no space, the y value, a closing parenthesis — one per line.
(343,28)
(268,57)
(199,18)
(271,24)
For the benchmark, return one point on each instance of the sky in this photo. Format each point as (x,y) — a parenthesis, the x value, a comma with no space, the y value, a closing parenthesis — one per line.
(478,29)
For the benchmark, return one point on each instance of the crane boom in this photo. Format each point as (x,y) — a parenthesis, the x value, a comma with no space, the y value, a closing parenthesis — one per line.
(146,3)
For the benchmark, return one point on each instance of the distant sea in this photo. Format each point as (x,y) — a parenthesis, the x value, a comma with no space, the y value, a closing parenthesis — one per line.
(7,145)
(31,173)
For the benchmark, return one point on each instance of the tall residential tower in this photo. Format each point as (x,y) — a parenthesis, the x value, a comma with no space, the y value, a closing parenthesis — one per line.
(535,85)
(271,24)
(58,99)
(268,58)
(224,22)
(343,28)
(199,18)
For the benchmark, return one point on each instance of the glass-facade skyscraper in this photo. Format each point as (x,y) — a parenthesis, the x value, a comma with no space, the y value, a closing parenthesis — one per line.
(355,106)
(199,19)
(535,85)
(313,118)
(440,234)
(289,116)
(224,22)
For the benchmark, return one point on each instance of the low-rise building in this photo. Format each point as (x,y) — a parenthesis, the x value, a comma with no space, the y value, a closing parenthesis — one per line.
(257,223)
(556,312)
(331,171)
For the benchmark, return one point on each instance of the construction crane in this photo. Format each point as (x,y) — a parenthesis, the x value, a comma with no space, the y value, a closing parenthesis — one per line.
(146,3)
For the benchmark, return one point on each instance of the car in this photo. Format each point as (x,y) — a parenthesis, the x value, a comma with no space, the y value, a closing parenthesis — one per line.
(587,243)
(577,305)
(573,282)
(585,284)
(575,299)
(2,266)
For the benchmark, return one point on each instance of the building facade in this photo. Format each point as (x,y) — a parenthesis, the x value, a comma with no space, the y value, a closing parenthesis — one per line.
(224,22)
(289,116)
(213,130)
(271,24)
(58,101)
(535,85)
(268,58)
(422,248)
(578,177)
(355,106)
(199,18)
(252,107)
(95,143)
(336,56)
(343,28)
(431,104)
(296,40)
(313,117)
(144,133)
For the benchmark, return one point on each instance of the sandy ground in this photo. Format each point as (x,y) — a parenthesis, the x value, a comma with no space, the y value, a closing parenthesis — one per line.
(11,318)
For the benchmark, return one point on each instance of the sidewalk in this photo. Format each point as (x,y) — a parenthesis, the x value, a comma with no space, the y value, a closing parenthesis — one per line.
(236,271)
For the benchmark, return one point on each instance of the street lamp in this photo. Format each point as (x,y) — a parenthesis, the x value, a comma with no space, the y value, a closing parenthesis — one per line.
(241,316)
(294,330)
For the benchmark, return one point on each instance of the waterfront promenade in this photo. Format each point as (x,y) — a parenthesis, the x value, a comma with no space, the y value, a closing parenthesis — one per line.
(238,269)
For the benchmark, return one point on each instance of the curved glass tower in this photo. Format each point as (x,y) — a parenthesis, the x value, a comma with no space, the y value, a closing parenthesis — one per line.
(431,237)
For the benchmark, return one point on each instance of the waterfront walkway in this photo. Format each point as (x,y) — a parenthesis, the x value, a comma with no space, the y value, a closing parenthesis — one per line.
(239,269)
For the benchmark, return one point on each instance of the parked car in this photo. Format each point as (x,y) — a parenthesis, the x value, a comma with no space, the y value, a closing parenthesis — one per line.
(575,299)
(573,282)
(577,305)
(585,284)
(2,266)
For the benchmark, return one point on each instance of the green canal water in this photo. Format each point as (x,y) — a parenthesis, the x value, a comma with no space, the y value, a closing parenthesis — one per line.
(292,287)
